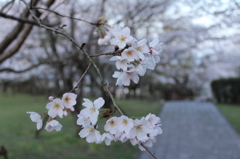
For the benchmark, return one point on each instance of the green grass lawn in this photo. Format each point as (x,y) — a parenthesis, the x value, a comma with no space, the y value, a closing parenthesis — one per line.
(17,132)
(232,113)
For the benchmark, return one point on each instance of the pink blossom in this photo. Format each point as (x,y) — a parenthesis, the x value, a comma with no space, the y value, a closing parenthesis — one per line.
(107,137)
(140,129)
(35,117)
(111,125)
(53,125)
(69,100)
(124,124)
(120,62)
(55,108)
(130,54)
(91,134)
(92,109)
(121,37)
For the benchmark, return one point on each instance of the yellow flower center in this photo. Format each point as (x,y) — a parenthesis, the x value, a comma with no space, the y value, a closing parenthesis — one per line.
(66,99)
(129,53)
(56,105)
(91,130)
(138,127)
(93,109)
(138,48)
(125,121)
(123,38)
(112,122)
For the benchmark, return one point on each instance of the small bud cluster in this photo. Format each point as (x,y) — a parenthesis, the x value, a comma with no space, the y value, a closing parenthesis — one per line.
(121,128)
(56,107)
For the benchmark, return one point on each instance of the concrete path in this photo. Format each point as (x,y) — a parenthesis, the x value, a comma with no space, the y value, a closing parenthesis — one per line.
(194,130)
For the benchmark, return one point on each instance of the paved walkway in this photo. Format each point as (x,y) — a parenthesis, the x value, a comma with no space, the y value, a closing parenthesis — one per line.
(194,130)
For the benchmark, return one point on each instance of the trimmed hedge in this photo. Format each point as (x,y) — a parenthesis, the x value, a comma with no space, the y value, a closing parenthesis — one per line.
(226,90)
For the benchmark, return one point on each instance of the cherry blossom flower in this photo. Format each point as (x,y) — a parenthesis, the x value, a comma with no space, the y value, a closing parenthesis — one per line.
(121,37)
(155,50)
(149,63)
(155,122)
(92,109)
(124,124)
(140,69)
(121,136)
(118,75)
(35,117)
(120,62)
(130,54)
(130,75)
(55,108)
(69,100)
(141,47)
(105,39)
(140,129)
(53,125)
(91,134)
(152,119)
(111,125)
(82,120)
(125,77)
(107,137)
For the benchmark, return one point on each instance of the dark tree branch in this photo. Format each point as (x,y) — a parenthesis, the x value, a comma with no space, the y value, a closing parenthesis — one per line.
(23,20)
(18,45)
(24,70)
(94,24)
(18,29)
(14,33)
(6,5)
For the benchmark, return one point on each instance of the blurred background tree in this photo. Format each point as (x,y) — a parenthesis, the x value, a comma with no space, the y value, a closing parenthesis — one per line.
(198,41)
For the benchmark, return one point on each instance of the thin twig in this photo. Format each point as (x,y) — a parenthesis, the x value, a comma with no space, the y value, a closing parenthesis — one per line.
(148,150)
(118,52)
(89,65)
(65,15)
(105,86)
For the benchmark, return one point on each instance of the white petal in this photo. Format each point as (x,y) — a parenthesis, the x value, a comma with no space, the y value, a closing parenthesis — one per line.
(39,125)
(114,41)
(154,42)
(121,45)
(84,132)
(142,42)
(87,103)
(94,117)
(99,102)
(121,65)
(126,31)
(52,113)
(115,58)
(135,78)
(49,105)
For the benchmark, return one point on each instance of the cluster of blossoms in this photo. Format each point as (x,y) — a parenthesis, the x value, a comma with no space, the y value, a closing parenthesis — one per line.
(135,56)
(56,107)
(121,128)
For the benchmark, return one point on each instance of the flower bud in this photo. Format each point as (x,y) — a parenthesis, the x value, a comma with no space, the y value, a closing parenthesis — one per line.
(72,109)
(50,98)
(65,113)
